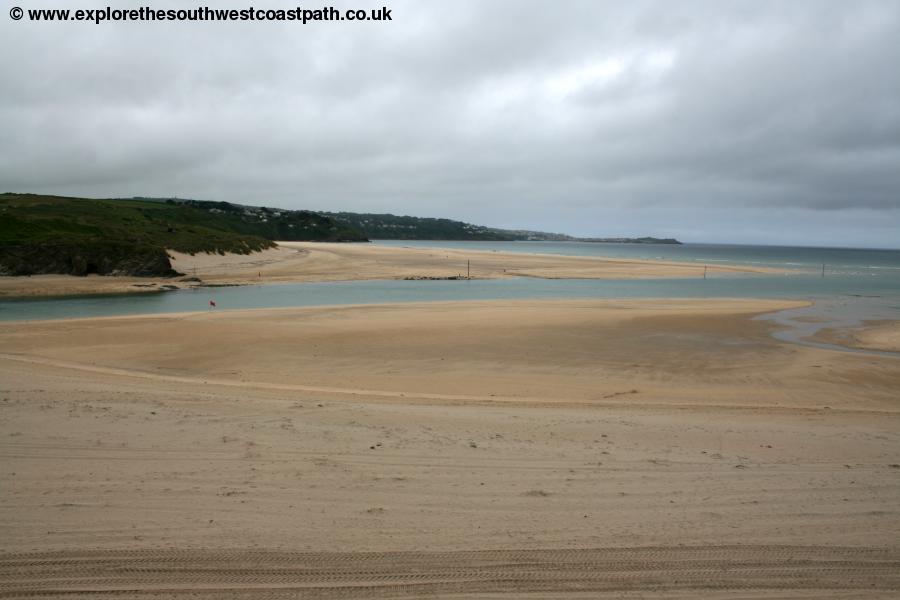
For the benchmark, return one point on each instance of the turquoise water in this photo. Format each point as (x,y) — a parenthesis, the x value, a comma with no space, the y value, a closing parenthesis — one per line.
(859,284)
(375,292)
(847,261)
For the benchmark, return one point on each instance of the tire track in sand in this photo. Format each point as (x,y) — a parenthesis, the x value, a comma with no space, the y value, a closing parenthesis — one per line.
(274,574)
(208,381)
(402,395)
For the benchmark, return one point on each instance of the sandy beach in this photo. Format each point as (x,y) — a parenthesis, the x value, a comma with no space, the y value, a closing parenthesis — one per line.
(566,448)
(295,262)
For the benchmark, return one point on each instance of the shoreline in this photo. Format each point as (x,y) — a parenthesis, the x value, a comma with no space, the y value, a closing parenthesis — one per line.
(877,338)
(667,302)
(880,339)
(309,262)
(309,349)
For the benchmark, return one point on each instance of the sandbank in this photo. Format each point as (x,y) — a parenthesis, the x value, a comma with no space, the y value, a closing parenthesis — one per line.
(307,261)
(882,336)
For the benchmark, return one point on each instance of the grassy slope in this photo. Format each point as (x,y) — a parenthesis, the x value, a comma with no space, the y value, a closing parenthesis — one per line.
(28,218)
(52,234)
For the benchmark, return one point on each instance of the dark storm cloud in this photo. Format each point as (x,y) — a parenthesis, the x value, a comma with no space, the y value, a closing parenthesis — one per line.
(745,121)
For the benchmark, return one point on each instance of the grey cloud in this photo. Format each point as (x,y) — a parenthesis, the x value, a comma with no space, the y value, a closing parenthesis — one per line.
(746,121)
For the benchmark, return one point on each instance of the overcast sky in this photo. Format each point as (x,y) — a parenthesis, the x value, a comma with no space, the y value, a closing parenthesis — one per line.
(718,121)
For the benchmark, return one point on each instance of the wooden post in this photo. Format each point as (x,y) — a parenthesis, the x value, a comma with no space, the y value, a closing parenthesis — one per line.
(468,269)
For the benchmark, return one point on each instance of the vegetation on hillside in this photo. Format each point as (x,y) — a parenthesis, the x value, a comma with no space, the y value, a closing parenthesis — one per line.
(276,223)
(52,234)
(393,227)
(639,240)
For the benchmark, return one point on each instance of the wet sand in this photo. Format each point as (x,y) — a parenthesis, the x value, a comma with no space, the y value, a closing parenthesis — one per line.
(881,336)
(671,448)
(306,261)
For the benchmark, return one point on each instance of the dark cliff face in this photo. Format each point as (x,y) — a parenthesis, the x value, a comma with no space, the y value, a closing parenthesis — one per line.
(97,257)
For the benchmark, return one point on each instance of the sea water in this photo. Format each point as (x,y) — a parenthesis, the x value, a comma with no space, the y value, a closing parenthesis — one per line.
(835,260)
(857,285)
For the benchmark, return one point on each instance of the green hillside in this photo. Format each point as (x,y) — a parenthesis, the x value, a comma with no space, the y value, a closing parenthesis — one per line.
(276,223)
(393,227)
(52,234)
